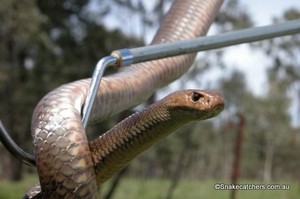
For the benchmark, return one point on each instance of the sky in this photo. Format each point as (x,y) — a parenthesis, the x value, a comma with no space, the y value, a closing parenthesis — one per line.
(252,63)
(262,11)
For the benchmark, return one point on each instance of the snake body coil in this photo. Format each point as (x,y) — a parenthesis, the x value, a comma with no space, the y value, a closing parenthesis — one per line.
(63,156)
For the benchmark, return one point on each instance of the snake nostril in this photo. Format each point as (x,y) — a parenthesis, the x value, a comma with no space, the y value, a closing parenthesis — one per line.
(196,96)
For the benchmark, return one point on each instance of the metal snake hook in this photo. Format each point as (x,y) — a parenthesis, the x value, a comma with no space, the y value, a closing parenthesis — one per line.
(116,59)
(95,83)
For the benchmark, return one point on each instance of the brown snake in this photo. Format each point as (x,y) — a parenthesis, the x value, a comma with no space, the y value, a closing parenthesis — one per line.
(66,166)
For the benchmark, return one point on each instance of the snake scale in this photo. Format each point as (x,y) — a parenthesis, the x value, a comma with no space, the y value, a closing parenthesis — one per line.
(70,167)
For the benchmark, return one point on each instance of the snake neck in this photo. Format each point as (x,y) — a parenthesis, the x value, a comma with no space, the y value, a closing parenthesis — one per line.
(130,138)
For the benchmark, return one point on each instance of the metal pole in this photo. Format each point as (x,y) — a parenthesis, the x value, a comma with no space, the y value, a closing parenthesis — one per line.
(95,83)
(158,51)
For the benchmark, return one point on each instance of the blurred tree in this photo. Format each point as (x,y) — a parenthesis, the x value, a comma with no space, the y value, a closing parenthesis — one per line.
(283,96)
(236,95)
(146,14)
(19,32)
(40,39)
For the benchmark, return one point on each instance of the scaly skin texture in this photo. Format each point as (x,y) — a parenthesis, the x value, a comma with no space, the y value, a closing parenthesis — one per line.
(63,158)
(114,149)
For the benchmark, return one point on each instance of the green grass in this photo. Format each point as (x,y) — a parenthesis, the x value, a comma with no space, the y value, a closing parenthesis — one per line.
(16,190)
(135,188)
(157,189)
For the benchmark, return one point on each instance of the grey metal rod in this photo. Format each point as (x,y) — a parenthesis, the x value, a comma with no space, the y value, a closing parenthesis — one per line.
(158,51)
(95,83)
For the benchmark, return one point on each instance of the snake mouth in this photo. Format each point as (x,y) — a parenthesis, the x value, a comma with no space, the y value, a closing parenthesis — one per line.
(217,106)
(218,109)
(219,103)
(193,114)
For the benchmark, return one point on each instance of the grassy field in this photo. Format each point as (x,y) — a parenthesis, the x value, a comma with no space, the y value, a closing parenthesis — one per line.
(156,189)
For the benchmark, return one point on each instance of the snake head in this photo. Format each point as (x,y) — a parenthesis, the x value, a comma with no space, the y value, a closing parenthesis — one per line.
(197,104)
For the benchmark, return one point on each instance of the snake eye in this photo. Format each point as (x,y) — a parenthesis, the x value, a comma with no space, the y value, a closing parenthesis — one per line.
(196,96)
